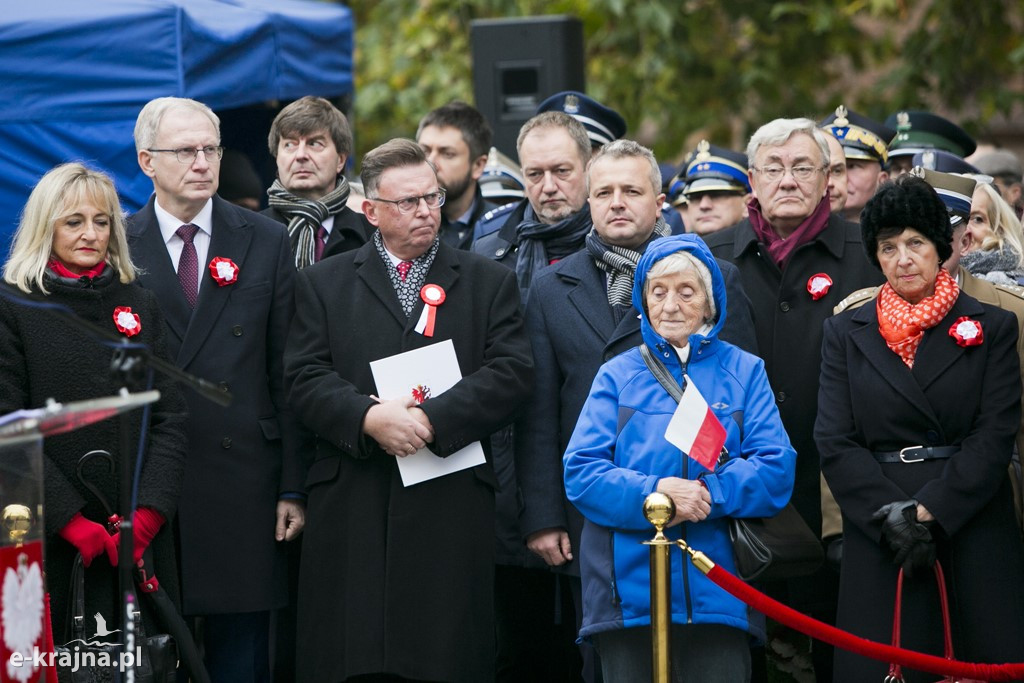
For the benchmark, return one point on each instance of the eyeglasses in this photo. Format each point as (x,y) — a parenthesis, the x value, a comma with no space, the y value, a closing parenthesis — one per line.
(187,155)
(434,200)
(801,173)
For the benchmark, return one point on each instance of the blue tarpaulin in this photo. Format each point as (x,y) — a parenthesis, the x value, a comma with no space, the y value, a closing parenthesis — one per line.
(74,75)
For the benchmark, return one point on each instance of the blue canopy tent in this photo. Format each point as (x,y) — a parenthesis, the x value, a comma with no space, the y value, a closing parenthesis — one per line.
(74,75)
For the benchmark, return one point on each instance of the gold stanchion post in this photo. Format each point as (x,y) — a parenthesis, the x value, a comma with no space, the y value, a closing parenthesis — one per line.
(659,510)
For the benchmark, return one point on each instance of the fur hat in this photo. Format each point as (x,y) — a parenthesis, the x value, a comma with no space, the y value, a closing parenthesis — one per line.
(909,202)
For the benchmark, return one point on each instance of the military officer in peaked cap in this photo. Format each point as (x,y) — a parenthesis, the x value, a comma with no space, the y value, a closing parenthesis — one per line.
(716,188)
(864,142)
(919,131)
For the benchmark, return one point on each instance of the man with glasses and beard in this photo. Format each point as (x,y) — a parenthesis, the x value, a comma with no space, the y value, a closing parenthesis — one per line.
(796,261)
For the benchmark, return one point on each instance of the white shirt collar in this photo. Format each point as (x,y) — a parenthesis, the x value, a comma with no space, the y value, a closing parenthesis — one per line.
(169,224)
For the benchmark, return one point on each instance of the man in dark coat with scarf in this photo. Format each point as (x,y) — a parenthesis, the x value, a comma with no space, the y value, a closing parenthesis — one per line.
(797,262)
(311,141)
(397,581)
(550,224)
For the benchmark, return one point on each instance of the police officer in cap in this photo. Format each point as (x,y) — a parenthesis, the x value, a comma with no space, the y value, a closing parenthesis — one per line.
(864,142)
(716,188)
(920,131)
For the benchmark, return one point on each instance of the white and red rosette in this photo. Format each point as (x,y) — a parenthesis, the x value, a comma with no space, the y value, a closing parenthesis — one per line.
(818,285)
(224,271)
(433,296)
(127,323)
(967,332)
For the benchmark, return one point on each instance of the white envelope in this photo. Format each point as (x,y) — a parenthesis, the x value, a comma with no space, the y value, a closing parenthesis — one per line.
(435,368)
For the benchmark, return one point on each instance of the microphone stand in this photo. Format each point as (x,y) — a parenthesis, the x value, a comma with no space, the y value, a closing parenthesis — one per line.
(129,364)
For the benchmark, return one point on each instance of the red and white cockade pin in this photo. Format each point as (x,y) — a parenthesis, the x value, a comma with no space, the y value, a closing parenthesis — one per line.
(224,271)
(967,332)
(433,296)
(818,285)
(128,323)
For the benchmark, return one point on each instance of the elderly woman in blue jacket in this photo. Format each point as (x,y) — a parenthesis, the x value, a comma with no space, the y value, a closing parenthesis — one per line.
(619,454)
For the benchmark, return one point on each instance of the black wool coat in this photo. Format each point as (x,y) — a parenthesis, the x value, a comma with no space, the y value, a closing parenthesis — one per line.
(43,357)
(244,456)
(968,397)
(397,579)
(788,321)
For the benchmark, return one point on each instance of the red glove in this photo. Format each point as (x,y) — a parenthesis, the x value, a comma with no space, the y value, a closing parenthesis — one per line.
(146,522)
(90,538)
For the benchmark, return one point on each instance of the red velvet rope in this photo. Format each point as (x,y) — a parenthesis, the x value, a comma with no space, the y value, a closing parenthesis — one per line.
(847,641)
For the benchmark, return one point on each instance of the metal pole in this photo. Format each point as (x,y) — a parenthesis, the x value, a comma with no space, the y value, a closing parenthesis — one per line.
(659,510)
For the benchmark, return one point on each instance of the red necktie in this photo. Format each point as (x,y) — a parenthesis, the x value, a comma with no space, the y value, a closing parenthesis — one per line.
(188,265)
(403,268)
(321,241)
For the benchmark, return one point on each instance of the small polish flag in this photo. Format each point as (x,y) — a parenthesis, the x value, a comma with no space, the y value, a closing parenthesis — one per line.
(694,429)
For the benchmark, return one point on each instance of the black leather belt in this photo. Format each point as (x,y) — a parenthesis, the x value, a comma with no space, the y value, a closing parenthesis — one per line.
(916,454)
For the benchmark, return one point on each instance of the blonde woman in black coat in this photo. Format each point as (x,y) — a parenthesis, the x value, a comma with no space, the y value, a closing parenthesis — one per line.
(918,409)
(70,249)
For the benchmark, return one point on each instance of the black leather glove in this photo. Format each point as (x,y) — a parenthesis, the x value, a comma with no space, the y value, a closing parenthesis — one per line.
(910,541)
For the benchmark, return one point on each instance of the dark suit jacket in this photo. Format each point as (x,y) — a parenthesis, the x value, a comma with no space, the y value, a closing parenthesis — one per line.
(954,396)
(573,332)
(788,323)
(241,458)
(351,230)
(399,579)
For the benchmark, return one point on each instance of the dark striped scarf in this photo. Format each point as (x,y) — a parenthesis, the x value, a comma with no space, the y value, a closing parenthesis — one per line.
(620,263)
(305,216)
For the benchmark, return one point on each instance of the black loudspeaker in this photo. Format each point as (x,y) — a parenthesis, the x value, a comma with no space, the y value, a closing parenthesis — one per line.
(518,63)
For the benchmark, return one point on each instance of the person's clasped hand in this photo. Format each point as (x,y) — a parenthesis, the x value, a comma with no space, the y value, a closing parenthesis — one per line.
(146,522)
(691,498)
(911,541)
(90,538)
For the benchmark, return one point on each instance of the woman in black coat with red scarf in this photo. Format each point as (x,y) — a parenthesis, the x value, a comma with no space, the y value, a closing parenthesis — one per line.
(70,249)
(918,409)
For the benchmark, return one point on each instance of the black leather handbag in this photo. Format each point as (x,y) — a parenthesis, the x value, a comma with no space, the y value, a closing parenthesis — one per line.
(97,660)
(774,548)
(765,548)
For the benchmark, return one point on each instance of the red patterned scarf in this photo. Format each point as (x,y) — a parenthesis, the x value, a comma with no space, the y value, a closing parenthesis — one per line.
(902,324)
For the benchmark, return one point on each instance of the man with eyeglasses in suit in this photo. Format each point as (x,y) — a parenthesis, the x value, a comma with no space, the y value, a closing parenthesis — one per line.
(396,582)
(797,260)
(224,277)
